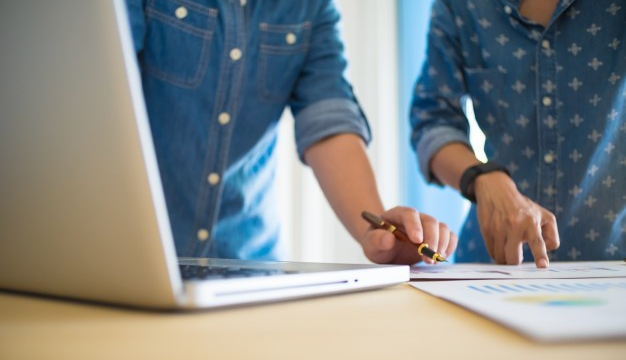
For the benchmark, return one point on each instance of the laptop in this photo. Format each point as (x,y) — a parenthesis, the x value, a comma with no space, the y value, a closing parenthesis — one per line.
(82,211)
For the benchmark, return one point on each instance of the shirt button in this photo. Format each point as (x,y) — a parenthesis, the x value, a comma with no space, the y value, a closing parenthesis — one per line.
(203,234)
(181,12)
(508,10)
(235,54)
(548,158)
(291,38)
(545,44)
(223,118)
(213,178)
(547,101)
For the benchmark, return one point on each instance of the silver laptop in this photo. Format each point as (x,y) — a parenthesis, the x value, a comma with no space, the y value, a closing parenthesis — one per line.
(82,212)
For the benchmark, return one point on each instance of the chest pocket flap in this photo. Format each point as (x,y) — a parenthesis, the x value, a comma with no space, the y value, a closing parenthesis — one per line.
(178,39)
(282,52)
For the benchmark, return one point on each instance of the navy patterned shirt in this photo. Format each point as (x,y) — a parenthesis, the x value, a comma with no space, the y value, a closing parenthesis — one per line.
(550,101)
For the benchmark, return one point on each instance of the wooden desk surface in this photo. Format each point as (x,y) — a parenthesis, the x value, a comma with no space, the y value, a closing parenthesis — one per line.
(381,324)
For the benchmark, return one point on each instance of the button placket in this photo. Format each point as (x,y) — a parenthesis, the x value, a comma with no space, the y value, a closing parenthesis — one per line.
(548,127)
(226,100)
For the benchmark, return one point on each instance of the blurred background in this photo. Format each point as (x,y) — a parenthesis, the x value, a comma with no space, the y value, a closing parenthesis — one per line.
(385,45)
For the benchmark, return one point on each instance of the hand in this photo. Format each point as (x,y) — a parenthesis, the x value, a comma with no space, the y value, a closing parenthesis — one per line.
(381,246)
(508,219)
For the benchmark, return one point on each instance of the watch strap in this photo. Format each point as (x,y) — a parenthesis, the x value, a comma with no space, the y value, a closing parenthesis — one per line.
(472,172)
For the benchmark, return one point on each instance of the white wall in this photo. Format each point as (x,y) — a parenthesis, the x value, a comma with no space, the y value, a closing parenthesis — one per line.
(309,225)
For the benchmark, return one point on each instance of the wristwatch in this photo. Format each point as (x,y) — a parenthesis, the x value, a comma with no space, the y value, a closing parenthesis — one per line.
(473,172)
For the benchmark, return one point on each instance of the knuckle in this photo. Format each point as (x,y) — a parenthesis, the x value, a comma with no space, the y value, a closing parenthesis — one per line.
(536,221)
(511,220)
(407,209)
(537,241)
(427,218)
(530,219)
(409,213)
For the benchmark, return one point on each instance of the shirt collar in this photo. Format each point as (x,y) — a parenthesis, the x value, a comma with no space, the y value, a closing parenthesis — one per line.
(515,3)
(560,7)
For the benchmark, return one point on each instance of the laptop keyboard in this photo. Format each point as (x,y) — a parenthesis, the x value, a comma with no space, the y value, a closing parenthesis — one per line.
(197,272)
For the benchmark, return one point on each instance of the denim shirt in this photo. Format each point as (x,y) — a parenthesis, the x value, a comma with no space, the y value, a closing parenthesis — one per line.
(217,75)
(551,104)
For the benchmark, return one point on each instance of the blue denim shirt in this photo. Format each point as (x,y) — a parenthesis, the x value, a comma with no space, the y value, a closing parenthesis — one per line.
(551,104)
(217,75)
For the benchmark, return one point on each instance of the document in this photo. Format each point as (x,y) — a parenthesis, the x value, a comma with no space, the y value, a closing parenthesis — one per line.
(543,309)
(556,270)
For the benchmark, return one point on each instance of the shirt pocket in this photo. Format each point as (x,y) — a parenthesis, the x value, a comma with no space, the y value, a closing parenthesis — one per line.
(485,88)
(282,51)
(178,40)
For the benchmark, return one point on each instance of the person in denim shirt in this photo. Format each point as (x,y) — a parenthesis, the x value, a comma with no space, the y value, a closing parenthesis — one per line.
(547,80)
(217,75)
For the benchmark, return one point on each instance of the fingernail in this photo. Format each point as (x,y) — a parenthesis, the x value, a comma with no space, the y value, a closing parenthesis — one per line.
(543,263)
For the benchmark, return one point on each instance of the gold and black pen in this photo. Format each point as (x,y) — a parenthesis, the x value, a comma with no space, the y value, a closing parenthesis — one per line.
(379,223)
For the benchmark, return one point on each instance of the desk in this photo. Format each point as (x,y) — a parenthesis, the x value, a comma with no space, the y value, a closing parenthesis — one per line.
(380,324)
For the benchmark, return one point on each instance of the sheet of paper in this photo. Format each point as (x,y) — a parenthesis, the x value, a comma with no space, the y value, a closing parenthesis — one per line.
(543,309)
(556,270)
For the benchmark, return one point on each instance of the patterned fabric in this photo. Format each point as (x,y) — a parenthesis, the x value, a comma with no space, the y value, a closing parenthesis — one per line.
(551,104)
(217,75)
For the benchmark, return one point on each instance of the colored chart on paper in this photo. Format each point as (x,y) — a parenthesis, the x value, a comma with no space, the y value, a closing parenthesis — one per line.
(543,309)
(580,286)
(557,300)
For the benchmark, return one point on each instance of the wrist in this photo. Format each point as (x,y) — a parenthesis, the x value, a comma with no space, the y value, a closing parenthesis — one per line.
(475,178)
(490,181)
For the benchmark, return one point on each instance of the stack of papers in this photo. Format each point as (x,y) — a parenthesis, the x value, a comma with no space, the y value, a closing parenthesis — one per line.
(566,302)
(557,270)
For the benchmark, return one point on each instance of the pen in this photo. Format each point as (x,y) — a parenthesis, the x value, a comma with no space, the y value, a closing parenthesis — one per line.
(379,223)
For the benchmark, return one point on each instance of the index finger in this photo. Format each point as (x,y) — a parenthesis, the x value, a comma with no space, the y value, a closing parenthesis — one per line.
(550,231)
(538,247)
(409,219)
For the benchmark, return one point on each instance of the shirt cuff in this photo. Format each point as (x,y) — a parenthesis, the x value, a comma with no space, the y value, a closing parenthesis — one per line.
(327,118)
(431,141)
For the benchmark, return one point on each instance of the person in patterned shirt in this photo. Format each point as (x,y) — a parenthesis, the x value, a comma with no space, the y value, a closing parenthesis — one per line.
(547,81)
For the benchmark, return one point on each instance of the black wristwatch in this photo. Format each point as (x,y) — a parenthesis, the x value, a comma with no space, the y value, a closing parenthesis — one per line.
(473,172)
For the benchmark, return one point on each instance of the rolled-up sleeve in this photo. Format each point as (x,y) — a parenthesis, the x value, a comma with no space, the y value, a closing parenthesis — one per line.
(437,118)
(322,102)
(326,118)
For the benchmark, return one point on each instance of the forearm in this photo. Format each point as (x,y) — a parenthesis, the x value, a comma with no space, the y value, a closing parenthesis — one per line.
(449,163)
(345,175)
